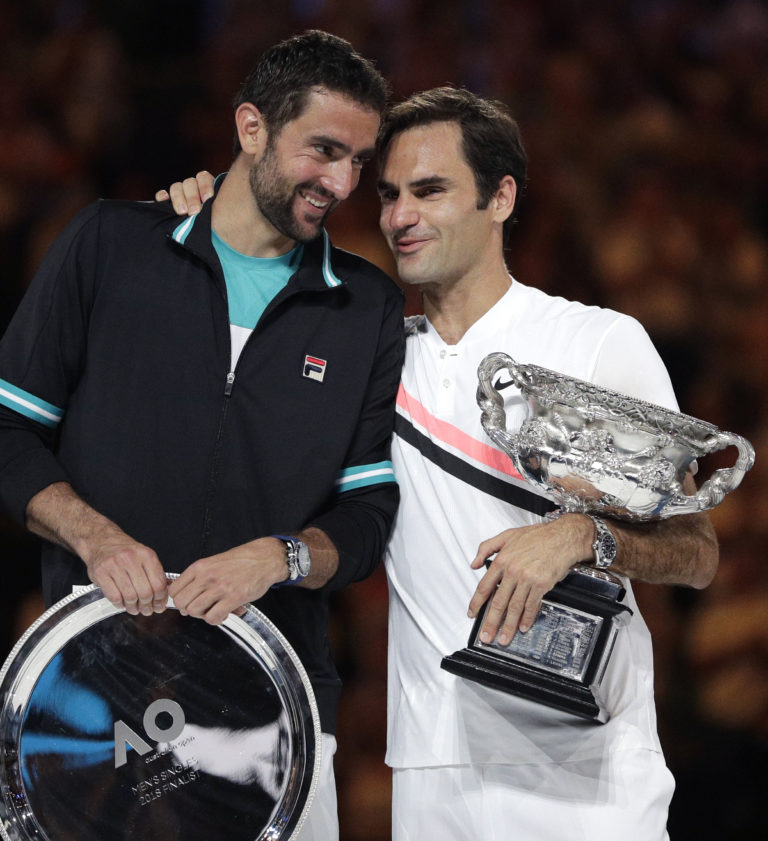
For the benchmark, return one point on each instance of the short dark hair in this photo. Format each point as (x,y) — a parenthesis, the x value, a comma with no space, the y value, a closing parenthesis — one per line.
(491,138)
(284,76)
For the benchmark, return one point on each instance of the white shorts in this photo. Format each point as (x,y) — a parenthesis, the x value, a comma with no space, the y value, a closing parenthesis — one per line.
(322,820)
(625,796)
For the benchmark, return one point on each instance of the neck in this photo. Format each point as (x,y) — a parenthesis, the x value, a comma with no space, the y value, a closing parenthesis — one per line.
(237,219)
(453,308)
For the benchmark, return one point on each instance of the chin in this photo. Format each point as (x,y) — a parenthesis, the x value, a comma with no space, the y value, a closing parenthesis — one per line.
(408,272)
(309,235)
(412,281)
(310,228)
(302,232)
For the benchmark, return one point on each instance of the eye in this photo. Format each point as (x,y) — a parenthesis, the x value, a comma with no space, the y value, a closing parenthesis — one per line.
(360,161)
(387,196)
(324,150)
(426,192)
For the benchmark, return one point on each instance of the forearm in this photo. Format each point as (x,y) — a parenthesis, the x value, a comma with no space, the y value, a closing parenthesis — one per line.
(679,550)
(268,554)
(27,463)
(129,574)
(358,530)
(526,562)
(215,586)
(324,555)
(59,515)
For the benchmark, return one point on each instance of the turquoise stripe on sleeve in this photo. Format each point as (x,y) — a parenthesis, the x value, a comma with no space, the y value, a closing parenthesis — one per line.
(364,475)
(28,405)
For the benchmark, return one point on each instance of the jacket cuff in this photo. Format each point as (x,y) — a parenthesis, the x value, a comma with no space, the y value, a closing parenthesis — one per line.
(360,532)
(26,475)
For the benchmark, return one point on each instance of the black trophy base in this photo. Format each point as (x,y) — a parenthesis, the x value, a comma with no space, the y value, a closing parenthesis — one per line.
(551,690)
(560,661)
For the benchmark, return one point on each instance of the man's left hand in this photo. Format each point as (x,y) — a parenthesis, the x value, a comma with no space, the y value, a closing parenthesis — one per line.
(528,562)
(214,587)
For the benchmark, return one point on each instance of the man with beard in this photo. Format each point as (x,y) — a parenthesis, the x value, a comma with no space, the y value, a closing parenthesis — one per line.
(214,396)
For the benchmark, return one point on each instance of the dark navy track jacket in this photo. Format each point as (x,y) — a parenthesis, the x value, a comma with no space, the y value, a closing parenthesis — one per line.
(115,376)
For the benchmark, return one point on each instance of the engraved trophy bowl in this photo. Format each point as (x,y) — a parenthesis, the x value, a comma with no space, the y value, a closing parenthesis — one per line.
(162,727)
(596,450)
(590,450)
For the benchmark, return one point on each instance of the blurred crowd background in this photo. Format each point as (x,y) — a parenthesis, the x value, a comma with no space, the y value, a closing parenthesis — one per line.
(646,124)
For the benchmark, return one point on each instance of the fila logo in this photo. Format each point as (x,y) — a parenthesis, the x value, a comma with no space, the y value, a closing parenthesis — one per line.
(314,368)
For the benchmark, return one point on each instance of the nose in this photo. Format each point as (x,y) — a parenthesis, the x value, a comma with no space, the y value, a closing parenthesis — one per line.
(340,178)
(399,214)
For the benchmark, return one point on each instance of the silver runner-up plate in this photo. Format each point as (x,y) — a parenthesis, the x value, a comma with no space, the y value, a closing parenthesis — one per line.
(160,728)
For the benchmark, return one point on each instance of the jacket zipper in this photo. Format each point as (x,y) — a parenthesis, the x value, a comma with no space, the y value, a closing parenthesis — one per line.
(231,375)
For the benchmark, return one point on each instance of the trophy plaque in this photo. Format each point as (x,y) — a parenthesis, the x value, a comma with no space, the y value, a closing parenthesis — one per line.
(162,727)
(595,451)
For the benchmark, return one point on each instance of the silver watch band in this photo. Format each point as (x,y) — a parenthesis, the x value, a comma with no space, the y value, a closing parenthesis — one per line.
(297,559)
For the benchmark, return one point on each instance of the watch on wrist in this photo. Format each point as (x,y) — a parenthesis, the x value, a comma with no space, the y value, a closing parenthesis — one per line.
(297,557)
(604,544)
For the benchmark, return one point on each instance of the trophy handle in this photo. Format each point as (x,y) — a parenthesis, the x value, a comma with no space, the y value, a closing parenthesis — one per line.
(661,496)
(722,481)
(494,418)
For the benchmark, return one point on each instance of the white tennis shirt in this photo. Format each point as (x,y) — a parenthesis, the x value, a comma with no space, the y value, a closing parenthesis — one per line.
(457,490)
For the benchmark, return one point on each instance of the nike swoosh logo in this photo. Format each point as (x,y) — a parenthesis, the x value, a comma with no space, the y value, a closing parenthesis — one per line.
(499,385)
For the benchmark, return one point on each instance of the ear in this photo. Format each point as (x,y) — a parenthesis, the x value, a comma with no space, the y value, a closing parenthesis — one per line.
(504,200)
(251,129)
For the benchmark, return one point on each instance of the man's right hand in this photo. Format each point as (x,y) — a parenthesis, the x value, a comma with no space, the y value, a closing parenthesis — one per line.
(130,574)
(187,196)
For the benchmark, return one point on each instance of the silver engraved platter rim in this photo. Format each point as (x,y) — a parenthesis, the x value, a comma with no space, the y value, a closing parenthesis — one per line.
(252,637)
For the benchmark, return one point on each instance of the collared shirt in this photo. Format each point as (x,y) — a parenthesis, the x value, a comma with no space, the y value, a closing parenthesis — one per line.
(458,489)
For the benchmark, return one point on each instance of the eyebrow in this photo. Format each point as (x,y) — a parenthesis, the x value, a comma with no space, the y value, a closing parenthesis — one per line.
(335,143)
(427,181)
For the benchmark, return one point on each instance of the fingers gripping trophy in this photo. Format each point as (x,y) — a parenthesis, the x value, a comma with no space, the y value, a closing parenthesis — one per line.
(598,452)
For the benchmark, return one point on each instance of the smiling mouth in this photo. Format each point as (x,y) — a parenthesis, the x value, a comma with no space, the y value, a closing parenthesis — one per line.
(407,246)
(315,201)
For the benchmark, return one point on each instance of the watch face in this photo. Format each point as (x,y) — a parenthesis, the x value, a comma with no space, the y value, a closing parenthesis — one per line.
(303,559)
(605,548)
(606,545)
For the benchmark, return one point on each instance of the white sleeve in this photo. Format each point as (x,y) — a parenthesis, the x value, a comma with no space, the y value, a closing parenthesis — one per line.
(628,362)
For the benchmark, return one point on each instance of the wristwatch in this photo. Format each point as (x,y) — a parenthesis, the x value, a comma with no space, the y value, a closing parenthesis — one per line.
(297,558)
(604,545)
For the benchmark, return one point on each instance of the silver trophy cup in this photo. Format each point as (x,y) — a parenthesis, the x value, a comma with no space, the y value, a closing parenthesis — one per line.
(595,451)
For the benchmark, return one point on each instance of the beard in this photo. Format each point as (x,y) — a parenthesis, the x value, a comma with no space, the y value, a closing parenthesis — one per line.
(275,197)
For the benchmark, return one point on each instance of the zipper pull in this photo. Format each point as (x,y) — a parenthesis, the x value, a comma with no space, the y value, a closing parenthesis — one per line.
(230,383)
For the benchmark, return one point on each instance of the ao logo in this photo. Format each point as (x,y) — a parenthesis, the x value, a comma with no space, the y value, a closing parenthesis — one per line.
(124,735)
